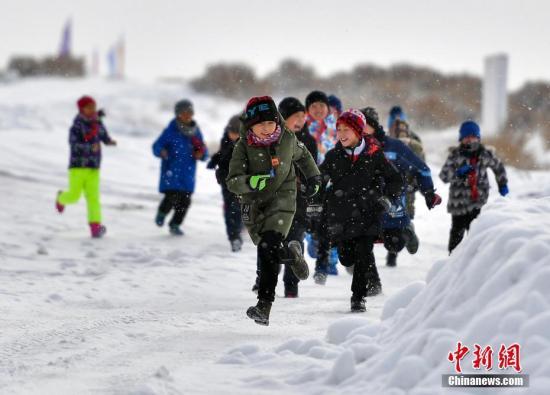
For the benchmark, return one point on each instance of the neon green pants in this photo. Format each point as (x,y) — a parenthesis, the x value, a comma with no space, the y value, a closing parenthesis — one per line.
(87,180)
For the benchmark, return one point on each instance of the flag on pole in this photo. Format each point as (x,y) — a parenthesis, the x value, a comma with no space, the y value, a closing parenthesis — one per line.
(115,59)
(66,40)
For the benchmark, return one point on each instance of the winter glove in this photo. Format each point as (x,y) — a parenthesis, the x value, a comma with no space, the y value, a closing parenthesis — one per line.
(258,182)
(101,113)
(464,170)
(313,186)
(503,190)
(432,199)
(211,165)
(385,203)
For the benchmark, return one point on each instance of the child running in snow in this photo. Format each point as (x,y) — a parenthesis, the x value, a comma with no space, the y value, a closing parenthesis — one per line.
(220,162)
(466,170)
(85,138)
(321,124)
(179,146)
(262,172)
(364,184)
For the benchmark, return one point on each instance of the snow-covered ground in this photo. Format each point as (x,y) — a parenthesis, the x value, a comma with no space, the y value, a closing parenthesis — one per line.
(140,312)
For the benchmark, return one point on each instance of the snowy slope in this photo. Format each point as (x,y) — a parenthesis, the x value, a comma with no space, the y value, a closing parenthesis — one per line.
(139,311)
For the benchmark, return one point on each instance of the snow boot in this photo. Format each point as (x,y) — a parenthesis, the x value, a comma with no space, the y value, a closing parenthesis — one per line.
(320,278)
(358,304)
(291,290)
(391,259)
(374,288)
(298,264)
(236,245)
(412,239)
(159,219)
(260,312)
(97,230)
(333,262)
(58,206)
(175,230)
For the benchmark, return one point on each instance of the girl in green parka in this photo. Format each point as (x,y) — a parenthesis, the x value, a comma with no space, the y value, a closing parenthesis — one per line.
(261,172)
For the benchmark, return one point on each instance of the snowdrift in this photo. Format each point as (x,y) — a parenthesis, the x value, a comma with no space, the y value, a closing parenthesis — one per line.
(494,290)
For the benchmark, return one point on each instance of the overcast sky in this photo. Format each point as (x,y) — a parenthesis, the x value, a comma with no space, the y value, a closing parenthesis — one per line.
(178,38)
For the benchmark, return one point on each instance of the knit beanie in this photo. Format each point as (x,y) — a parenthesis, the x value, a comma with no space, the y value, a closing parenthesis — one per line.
(354,119)
(289,106)
(316,96)
(260,109)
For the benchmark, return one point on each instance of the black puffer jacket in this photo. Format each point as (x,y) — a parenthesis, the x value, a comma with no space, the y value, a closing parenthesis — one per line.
(220,160)
(352,201)
(301,198)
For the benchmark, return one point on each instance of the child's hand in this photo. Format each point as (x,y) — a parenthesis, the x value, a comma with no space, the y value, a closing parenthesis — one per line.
(503,190)
(313,186)
(464,170)
(258,182)
(432,199)
(164,154)
(112,142)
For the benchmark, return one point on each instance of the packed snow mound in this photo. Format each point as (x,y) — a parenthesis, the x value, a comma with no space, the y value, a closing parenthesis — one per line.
(493,290)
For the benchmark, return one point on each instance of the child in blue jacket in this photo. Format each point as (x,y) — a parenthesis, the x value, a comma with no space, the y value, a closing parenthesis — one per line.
(179,146)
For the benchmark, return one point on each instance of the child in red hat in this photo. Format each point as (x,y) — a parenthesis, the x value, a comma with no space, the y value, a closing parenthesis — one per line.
(363,184)
(85,138)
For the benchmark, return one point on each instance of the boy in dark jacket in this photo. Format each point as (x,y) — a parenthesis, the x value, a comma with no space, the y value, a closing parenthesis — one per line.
(466,170)
(85,138)
(295,120)
(262,172)
(179,146)
(363,184)
(398,230)
(231,205)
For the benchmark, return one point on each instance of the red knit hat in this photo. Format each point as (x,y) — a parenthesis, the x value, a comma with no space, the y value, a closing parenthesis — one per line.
(354,119)
(84,101)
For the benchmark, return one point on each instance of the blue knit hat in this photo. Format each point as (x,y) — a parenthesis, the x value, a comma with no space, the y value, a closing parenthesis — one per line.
(469,128)
(335,102)
(396,112)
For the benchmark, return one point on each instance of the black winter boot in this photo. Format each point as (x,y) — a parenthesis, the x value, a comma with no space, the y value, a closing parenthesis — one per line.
(412,239)
(297,264)
(391,259)
(374,288)
(260,312)
(358,304)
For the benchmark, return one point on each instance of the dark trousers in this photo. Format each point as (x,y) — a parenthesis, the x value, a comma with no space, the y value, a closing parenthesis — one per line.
(269,257)
(357,252)
(395,239)
(460,224)
(297,232)
(177,200)
(232,214)
(323,240)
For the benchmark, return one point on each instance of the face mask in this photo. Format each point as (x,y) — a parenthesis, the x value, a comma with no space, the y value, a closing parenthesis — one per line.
(471,147)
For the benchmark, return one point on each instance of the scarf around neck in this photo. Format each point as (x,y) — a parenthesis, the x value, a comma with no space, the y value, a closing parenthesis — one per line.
(254,140)
(354,153)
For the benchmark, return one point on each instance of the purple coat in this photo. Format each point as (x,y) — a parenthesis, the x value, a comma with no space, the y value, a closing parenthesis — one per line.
(85,139)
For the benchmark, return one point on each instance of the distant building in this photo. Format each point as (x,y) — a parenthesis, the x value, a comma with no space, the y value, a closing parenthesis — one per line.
(495,94)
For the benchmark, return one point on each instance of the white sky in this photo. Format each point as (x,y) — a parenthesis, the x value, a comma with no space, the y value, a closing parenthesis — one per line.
(178,38)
